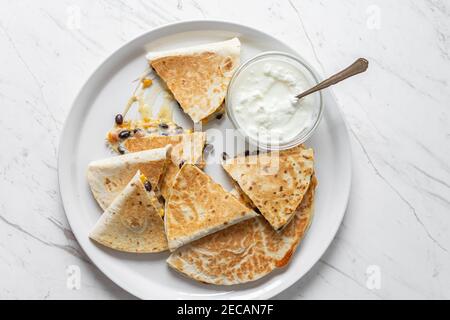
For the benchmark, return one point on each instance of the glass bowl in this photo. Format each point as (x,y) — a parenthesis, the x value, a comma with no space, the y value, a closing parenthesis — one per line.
(317,109)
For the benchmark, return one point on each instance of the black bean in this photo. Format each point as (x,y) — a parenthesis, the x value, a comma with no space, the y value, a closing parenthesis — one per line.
(224,156)
(121,149)
(179,130)
(181,164)
(219,116)
(124,134)
(119,119)
(164,125)
(148,186)
(247,153)
(208,148)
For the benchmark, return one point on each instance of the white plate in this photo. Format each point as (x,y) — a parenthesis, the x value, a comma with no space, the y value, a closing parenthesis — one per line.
(105,94)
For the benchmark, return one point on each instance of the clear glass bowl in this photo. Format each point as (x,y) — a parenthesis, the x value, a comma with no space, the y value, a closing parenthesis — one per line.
(312,77)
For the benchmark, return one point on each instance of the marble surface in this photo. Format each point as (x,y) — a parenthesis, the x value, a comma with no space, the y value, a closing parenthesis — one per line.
(394,241)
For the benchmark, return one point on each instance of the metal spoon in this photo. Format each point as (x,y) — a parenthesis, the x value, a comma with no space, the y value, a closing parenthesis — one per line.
(357,67)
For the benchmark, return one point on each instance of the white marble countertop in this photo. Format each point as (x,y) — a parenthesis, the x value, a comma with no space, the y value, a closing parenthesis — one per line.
(395,238)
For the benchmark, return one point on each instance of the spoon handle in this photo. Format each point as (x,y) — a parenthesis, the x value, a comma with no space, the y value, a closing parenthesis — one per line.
(357,67)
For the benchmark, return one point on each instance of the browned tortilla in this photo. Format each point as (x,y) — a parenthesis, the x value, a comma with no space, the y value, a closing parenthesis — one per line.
(198,77)
(245,251)
(186,148)
(108,177)
(275,182)
(132,223)
(199,206)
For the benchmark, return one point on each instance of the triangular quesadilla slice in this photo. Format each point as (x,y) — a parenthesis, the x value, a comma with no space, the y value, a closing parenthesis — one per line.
(108,177)
(246,251)
(134,130)
(199,206)
(198,77)
(275,182)
(186,148)
(133,222)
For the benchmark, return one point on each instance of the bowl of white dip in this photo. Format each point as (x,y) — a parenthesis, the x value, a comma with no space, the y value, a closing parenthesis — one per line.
(261,101)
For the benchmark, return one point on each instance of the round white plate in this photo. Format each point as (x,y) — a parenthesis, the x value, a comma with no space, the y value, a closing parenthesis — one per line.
(106,93)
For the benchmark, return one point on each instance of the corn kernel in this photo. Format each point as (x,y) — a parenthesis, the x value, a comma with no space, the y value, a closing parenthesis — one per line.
(146,83)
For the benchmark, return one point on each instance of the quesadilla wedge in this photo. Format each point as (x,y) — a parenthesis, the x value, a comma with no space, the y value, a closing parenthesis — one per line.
(186,148)
(198,77)
(199,206)
(133,222)
(246,251)
(135,130)
(275,182)
(108,177)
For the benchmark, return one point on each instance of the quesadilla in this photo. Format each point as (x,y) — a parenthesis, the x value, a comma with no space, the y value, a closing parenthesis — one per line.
(199,206)
(198,77)
(118,136)
(246,251)
(275,182)
(133,222)
(108,177)
(186,148)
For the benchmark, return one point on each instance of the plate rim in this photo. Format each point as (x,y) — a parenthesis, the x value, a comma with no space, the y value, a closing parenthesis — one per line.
(65,133)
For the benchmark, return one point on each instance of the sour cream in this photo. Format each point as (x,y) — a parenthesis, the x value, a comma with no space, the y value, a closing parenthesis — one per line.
(264,104)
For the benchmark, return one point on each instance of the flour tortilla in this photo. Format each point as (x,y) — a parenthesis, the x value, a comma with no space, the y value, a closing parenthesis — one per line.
(108,177)
(246,251)
(186,148)
(198,77)
(132,222)
(275,182)
(140,128)
(198,206)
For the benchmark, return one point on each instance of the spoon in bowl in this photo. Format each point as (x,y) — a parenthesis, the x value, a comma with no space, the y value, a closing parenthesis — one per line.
(357,67)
